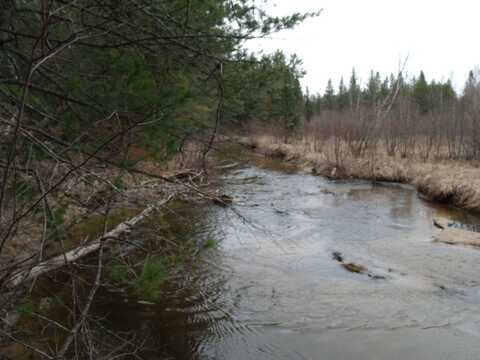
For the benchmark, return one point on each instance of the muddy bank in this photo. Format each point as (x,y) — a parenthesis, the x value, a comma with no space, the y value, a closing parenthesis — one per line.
(449,182)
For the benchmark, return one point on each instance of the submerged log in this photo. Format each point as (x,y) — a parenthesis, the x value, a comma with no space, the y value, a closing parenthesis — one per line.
(354,268)
(73,255)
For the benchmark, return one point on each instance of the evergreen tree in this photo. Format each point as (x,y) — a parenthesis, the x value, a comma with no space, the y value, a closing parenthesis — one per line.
(421,94)
(470,84)
(385,88)
(354,89)
(343,96)
(329,97)
(449,92)
(372,91)
(309,106)
(471,92)
(266,90)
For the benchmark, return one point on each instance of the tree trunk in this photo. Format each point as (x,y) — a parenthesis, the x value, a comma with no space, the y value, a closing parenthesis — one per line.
(81,251)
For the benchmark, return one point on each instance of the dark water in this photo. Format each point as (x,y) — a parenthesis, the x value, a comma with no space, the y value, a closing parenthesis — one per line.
(271,289)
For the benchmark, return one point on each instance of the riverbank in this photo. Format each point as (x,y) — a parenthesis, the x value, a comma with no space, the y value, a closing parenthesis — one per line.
(101,207)
(453,182)
(80,207)
(93,191)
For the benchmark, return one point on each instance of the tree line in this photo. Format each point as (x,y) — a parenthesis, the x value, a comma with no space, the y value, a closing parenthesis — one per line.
(406,116)
(428,96)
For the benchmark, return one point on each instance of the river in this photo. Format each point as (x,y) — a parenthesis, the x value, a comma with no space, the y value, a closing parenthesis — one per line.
(271,289)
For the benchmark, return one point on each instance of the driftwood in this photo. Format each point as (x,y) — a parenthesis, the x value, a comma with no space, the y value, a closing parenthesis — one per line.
(81,251)
(455,236)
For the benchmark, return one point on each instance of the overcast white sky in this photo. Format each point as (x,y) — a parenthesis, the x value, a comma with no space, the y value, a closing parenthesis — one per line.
(441,37)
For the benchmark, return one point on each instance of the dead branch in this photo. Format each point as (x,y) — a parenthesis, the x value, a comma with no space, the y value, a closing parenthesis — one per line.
(81,251)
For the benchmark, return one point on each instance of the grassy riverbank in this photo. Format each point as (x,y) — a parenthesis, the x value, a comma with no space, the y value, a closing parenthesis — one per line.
(453,182)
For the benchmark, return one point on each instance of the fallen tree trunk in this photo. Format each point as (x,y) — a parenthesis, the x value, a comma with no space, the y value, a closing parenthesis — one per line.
(81,251)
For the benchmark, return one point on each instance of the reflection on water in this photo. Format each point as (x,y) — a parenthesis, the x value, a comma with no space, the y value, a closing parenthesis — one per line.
(272,291)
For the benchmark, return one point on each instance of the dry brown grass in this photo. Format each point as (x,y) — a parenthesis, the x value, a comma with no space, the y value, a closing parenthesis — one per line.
(453,182)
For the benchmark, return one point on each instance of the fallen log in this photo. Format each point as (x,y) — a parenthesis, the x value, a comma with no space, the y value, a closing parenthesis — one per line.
(73,255)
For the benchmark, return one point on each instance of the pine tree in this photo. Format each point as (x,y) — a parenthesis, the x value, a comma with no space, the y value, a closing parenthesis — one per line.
(421,94)
(329,97)
(385,88)
(372,91)
(449,92)
(308,106)
(343,95)
(471,92)
(354,89)
(470,84)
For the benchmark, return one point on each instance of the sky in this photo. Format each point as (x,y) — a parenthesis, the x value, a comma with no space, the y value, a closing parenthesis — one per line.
(439,37)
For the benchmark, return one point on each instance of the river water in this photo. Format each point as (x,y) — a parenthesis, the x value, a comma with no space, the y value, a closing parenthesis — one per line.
(271,289)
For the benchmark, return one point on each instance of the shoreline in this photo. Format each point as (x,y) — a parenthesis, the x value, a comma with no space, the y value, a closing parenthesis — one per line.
(455,183)
(99,196)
